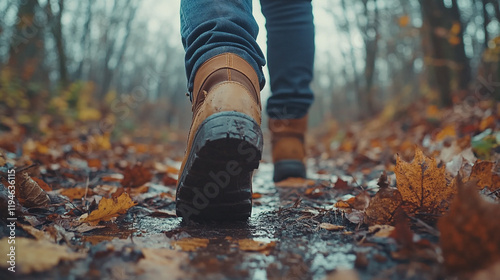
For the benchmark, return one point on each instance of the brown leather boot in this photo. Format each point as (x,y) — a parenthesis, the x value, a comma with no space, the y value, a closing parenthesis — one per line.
(289,153)
(224,143)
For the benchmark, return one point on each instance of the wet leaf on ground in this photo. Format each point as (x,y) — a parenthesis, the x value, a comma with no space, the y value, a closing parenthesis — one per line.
(109,208)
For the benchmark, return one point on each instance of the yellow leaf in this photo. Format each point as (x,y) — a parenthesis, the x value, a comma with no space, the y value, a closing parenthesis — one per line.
(109,208)
(404,20)
(447,132)
(255,246)
(37,255)
(191,244)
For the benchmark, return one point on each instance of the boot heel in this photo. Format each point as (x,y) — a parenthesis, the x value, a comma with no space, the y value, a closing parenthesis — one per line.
(216,183)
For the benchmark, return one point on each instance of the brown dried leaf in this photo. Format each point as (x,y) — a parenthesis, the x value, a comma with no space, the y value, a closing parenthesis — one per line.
(483,173)
(381,230)
(136,176)
(423,185)
(383,205)
(76,193)
(37,255)
(342,186)
(191,244)
(251,245)
(470,237)
(29,193)
(331,227)
(109,208)
(160,263)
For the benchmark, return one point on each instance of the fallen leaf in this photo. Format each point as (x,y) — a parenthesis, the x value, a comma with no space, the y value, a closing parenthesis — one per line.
(381,230)
(355,217)
(85,228)
(37,234)
(295,183)
(76,193)
(251,245)
(29,193)
(96,239)
(112,178)
(109,208)
(447,132)
(94,163)
(331,227)
(342,204)
(482,172)
(37,255)
(342,185)
(343,274)
(470,237)
(162,263)
(42,184)
(383,205)
(191,244)
(256,195)
(163,213)
(423,185)
(136,176)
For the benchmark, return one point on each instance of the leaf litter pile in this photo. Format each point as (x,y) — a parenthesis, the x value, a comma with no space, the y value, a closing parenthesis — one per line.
(401,197)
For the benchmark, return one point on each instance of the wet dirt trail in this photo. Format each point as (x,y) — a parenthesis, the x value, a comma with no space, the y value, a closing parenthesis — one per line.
(285,238)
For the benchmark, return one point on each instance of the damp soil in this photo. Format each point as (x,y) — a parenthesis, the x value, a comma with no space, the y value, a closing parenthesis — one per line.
(302,250)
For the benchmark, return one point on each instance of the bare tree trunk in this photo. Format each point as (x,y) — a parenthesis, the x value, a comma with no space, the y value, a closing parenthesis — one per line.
(486,21)
(27,45)
(108,72)
(371,47)
(58,38)
(434,16)
(464,72)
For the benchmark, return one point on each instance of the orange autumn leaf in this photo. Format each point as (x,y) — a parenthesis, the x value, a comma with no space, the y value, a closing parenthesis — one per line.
(483,173)
(191,244)
(488,122)
(470,237)
(76,193)
(251,245)
(109,208)
(423,185)
(256,195)
(342,204)
(136,176)
(94,163)
(447,132)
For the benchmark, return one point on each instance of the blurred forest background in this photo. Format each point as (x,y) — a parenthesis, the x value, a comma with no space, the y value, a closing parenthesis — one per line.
(119,63)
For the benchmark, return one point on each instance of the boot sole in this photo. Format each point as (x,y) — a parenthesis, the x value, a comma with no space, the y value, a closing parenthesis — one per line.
(284,169)
(216,183)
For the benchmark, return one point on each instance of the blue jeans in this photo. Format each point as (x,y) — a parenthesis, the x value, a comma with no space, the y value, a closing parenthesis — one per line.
(212,27)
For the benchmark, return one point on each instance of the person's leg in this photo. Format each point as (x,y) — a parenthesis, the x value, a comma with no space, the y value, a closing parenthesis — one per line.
(223,65)
(213,27)
(290,57)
